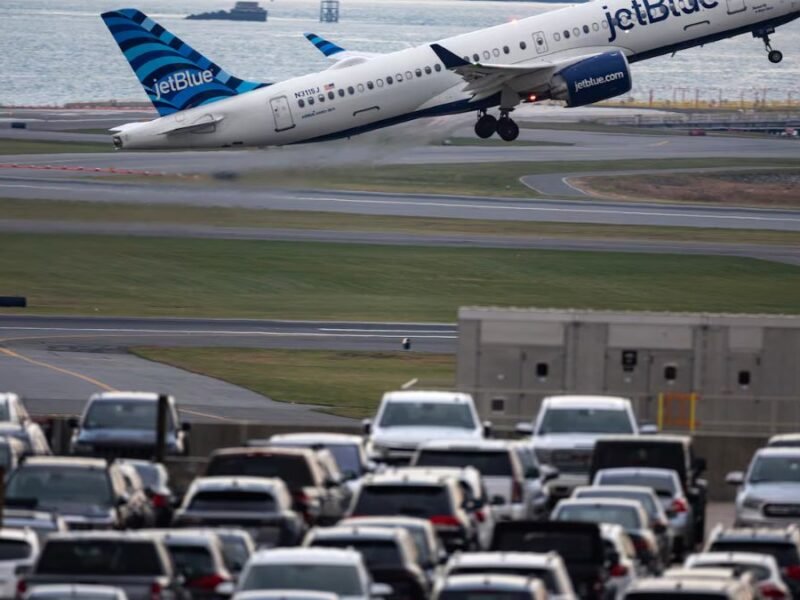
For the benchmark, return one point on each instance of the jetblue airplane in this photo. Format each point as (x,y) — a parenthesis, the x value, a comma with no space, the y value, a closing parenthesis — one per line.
(580,54)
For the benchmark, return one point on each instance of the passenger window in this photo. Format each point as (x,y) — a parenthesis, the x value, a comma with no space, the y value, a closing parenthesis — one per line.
(398,77)
(585,29)
(566,34)
(409,75)
(389,80)
(341,92)
(576,32)
(360,87)
(476,57)
(351,90)
(370,85)
(496,52)
(595,27)
(310,101)
(322,97)
(486,55)
(379,82)
(437,67)
(331,96)
(557,37)
(301,103)
(522,45)
(418,72)
(466,58)
(427,70)
(506,50)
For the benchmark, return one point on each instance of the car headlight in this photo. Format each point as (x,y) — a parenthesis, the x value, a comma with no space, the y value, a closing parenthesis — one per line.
(752,502)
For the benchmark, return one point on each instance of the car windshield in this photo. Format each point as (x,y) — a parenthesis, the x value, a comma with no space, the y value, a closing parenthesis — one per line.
(294,470)
(54,485)
(662,485)
(480,594)
(489,464)
(785,554)
(776,469)
(646,500)
(191,561)
(759,573)
(5,458)
(678,594)
(621,515)
(99,558)
(338,579)
(233,500)
(414,501)
(14,549)
(545,575)
(427,414)
(376,553)
(4,413)
(585,420)
(235,552)
(123,414)
(348,458)
(572,546)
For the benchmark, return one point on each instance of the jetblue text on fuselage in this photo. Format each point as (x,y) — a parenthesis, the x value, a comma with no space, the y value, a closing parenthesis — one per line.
(182,80)
(647,12)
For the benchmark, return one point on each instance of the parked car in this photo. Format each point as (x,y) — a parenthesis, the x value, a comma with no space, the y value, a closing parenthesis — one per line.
(430,552)
(667,486)
(784,440)
(389,554)
(237,547)
(547,567)
(123,424)
(657,516)
(285,595)
(781,543)
(137,563)
(763,567)
(651,588)
(628,514)
(19,548)
(537,480)
(197,557)
(672,452)
(494,587)
(317,498)
(12,451)
(565,431)
(348,450)
(580,545)
(156,486)
(41,522)
(438,499)
(406,419)
(624,565)
(82,591)
(713,574)
(16,422)
(87,492)
(341,572)
(134,487)
(769,493)
(263,506)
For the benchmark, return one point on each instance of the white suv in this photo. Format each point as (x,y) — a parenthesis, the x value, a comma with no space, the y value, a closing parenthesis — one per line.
(566,429)
(407,419)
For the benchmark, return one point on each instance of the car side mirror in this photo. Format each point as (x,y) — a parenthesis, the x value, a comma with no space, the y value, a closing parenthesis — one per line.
(524,428)
(532,473)
(648,429)
(185,426)
(734,478)
(487,429)
(226,588)
(73,422)
(366,425)
(380,590)
(699,465)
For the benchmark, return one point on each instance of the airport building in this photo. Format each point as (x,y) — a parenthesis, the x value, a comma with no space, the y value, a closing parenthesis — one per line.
(703,373)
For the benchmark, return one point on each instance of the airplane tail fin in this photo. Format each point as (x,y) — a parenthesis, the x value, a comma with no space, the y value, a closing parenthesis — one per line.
(174,75)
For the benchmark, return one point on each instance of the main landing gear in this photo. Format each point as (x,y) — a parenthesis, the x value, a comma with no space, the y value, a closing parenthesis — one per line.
(487,125)
(774,56)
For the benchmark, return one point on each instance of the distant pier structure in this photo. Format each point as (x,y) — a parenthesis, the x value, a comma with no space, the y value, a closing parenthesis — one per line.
(329,11)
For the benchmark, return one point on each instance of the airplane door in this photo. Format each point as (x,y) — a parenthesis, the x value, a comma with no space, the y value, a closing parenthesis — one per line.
(736,6)
(281,113)
(540,41)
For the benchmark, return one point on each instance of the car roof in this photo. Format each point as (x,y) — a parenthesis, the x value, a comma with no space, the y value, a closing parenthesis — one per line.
(623,502)
(610,489)
(407,477)
(784,437)
(389,521)
(285,595)
(460,473)
(264,451)
(787,451)
(30,514)
(757,533)
(586,401)
(99,534)
(467,445)
(226,482)
(658,438)
(527,559)
(331,556)
(611,530)
(433,397)
(7,396)
(76,590)
(187,537)
(66,461)
(357,532)
(138,396)
(490,582)
(21,535)
(701,573)
(318,438)
(661,584)
(732,557)
(649,471)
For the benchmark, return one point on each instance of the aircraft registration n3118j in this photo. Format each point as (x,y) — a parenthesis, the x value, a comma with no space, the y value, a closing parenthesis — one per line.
(580,54)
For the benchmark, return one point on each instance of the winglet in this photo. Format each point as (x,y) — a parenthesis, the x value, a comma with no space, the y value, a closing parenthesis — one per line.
(323,45)
(450,60)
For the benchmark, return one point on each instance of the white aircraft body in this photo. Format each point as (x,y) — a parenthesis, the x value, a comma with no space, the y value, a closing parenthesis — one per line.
(579,54)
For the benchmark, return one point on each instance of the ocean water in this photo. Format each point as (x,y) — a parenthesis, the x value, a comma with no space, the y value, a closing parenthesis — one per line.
(58,51)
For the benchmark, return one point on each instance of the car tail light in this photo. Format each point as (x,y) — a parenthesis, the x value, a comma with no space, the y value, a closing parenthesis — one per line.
(22,587)
(155,591)
(679,506)
(516,492)
(445,521)
(159,501)
(206,582)
(792,572)
(768,590)
(640,544)
(618,571)
(480,515)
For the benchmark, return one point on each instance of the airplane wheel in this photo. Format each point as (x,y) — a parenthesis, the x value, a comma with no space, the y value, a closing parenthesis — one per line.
(486,126)
(507,129)
(775,56)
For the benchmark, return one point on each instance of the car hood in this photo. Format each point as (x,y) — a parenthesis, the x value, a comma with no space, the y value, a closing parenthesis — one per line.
(565,440)
(413,436)
(121,436)
(783,491)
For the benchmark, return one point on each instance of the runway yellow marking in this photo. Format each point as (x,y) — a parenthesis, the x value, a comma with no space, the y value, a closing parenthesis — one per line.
(661,143)
(75,374)
(207,415)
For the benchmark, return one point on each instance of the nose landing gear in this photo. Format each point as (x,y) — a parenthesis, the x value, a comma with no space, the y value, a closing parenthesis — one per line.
(774,56)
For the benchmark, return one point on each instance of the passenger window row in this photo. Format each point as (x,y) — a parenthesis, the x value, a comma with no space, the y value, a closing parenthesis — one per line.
(576,31)
(370,85)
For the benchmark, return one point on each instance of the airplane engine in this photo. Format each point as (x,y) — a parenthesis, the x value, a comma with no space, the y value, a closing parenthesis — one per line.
(592,79)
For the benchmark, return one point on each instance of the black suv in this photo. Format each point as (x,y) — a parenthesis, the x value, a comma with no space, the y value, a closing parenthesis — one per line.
(87,492)
(672,452)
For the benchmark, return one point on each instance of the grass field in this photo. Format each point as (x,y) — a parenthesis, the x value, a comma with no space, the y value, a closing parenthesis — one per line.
(183,277)
(179,214)
(8,146)
(344,383)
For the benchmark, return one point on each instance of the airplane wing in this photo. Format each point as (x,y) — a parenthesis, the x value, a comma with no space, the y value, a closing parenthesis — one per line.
(486,80)
(337,53)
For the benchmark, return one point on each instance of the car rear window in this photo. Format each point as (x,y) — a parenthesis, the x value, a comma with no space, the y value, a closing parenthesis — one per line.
(662,485)
(676,595)
(545,575)
(759,573)
(660,455)
(574,547)
(646,501)
(427,414)
(233,500)
(481,594)
(191,561)
(343,580)
(294,470)
(415,501)
(52,485)
(376,553)
(785,554)
(585,420)
(14,549)
(123,414)
(621,515)
(489,464)
(100,557)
